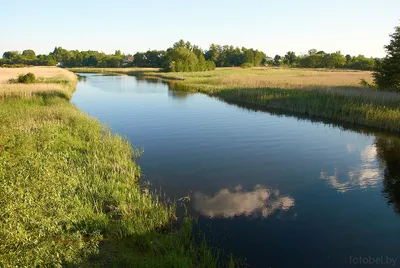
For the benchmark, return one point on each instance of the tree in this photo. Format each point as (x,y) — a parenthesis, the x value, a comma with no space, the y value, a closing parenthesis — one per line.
(214,53)
(360,63)
(59,53)
(180,43)
(183,57)
(312,51)
(277,60)
(9,55)
(387,72)
(311,61)
(348,60)
(29,54)
(333,60)
(290,58)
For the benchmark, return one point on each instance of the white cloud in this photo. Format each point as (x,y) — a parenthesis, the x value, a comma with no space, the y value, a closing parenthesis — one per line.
(227,204)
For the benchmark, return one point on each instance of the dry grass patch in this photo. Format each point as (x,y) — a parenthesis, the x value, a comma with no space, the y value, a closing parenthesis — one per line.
(52,80)
(45,72)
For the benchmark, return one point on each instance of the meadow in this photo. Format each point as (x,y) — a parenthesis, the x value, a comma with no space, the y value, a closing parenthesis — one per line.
(337,95)
(71,193)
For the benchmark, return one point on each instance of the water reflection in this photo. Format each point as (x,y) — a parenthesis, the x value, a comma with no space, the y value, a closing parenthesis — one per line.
(150,80)
(364,176)
(388,152)
(226,203)
(81,78)
(179,95)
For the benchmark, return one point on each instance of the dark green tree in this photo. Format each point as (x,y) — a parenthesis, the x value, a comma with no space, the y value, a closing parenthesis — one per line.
(348,60)
(277,60)
(214,53)
(184,57)
(9,55)
(29,54)
(290,58)
(387,72)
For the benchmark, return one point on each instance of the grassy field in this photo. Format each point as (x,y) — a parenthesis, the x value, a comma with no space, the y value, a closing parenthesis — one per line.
(329,94)
(70,190)
(51,81)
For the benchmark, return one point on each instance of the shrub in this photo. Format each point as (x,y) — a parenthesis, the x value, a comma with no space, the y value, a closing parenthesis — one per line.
(247,65)
(365,83)
(28,78)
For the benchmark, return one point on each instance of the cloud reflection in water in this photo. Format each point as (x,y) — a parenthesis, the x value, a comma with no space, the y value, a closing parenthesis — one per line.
(261,201)
(368,174)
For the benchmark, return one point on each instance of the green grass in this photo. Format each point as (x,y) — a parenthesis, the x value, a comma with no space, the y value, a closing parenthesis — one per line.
(328,94)
(71,194)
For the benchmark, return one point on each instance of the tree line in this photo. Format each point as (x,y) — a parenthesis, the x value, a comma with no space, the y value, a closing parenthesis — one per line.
(230,56)
(62,57)
(183,56)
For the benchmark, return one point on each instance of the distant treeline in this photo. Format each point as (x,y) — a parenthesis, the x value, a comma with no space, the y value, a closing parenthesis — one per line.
(63,57)
(184,57)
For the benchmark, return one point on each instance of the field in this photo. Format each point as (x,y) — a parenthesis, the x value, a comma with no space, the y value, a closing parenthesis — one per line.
(52,81)
(335,95)
(70,190)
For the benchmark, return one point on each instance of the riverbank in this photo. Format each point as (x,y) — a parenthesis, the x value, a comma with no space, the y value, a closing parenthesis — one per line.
(71,193)
(335,95)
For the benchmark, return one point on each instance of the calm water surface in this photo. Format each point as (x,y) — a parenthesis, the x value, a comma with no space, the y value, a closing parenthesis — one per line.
(281,191)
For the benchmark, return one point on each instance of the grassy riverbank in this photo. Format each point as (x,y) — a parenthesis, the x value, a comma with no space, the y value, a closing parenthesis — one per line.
(70,192)
(329,94)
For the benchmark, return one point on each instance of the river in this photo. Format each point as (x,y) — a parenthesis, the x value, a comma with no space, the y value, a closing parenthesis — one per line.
(279,190)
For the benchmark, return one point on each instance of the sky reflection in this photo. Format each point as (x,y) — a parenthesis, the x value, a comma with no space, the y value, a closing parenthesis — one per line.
(261,201)
(368,174)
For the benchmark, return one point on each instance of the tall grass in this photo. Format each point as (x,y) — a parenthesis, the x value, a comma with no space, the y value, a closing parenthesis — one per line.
(70,192)
(329,94)
(49,80)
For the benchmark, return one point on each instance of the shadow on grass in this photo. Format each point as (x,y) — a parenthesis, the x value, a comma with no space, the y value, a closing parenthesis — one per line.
(52,94)
(182,246)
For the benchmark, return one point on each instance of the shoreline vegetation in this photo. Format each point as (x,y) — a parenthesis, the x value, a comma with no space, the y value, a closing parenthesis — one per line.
(336,95)
(71,193)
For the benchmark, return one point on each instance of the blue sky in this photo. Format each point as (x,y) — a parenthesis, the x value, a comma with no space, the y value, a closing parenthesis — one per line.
(275,27)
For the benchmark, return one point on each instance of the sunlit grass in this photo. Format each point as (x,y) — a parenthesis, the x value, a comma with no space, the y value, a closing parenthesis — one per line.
(50,80)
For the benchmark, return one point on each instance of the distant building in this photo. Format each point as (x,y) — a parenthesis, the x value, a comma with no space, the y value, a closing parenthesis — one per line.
(127,60)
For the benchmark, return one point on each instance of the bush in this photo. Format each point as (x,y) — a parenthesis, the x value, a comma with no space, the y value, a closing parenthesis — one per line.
(247,65)
(28,78)
(365,83)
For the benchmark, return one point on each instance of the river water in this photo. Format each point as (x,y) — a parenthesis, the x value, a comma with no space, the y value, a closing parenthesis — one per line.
(278,190)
